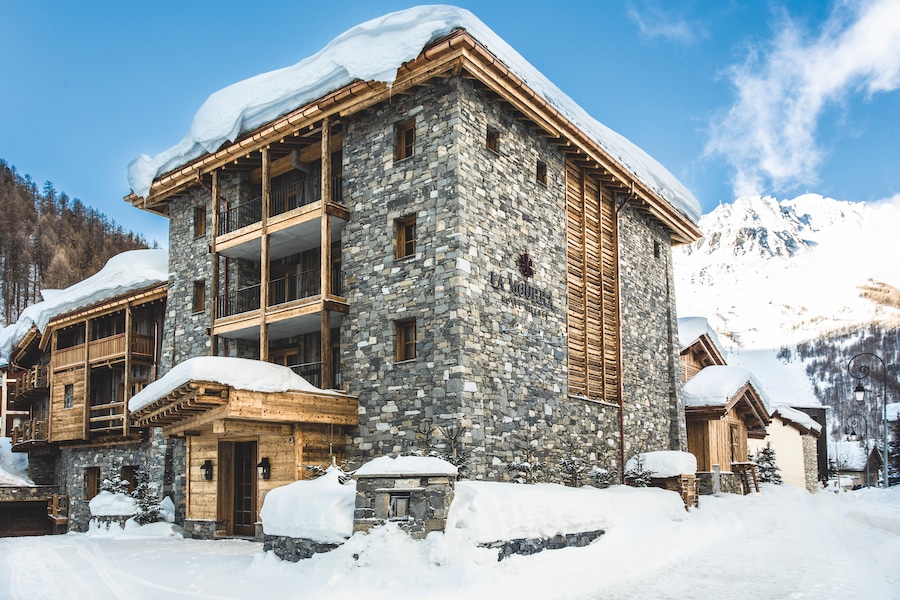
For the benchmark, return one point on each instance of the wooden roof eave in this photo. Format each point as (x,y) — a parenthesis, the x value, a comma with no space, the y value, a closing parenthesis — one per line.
(26,344)
(748,402)
(145,295)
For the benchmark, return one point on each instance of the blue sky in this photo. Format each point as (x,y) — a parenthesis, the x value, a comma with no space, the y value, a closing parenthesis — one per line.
(732,96)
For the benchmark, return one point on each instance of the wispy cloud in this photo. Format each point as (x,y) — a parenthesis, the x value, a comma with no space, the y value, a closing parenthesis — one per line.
(656,23)
(769,133)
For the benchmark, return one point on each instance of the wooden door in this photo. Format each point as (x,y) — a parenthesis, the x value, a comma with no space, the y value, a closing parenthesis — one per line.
(244,489)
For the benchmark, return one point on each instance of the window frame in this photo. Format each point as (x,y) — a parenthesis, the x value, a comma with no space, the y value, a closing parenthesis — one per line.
(91,482)
(68,396)
(492,139)
(405,139)
(398,506)
(199,221)
(405,340)
(540,174)
(404,245)
(198,298)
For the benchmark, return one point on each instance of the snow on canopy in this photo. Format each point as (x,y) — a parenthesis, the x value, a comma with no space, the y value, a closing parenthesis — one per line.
(717,384)
(320,509)
(239,373)
(690,329)
(125,272)
(406,465)
(664,463)
(374,51)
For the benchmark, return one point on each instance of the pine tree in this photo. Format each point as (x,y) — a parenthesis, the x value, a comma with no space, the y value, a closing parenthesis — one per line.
(148,509)
(116,485)
(638,476)
(766,466)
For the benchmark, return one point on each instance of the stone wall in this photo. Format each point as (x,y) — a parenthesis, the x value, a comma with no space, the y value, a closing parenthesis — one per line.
(810,462)
(654,409)
(528,546)
(730,483)
(295,549)
(150,452)
(428,502)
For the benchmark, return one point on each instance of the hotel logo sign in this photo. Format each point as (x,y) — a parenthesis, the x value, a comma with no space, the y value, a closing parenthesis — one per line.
(521,292)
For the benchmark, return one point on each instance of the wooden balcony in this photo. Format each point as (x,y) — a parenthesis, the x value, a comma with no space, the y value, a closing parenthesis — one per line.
(103,350)
(108,418)
(33,382)
(58,509)
(28,434)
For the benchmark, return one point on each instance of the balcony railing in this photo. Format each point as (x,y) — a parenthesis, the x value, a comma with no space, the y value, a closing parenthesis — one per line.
(294,287)
(107,348)
(29,432)
(238,301)
(312,372)
(33,381)
(107,417)
(282,200)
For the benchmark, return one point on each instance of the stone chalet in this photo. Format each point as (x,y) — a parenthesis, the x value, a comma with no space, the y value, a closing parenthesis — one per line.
(460,262)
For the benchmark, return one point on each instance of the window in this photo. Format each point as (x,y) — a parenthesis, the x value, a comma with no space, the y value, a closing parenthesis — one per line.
(541,174)
(657,249)
(404,139)
(492,139)
(406,236)
(127,473)
(199,221)
(91,482)
(735,443)
(406,340)
(69,396)
(399,506)
(198,304)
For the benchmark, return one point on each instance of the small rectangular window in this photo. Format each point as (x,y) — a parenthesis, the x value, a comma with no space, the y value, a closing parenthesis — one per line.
(199,221)
(406,340)
(69,396)
(406,236)
(198,303)
(91,482)
(492,139)
(404,139)
(541,174)
(399,506)
(657,249)
(127,473)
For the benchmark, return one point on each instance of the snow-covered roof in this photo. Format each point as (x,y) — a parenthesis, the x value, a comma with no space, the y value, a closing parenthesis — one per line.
(13,466)
(717,384)
(848,456)
(798,417)
(239,373)
(690,329)
(374,51)
(406,465)
(893,411)
(125,272)
(783,382)
(664,463)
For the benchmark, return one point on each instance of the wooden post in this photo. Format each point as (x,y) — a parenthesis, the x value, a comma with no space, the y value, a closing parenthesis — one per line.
(325,369)
(129,340)
(86,432)
(264,261)
(325,255)
(214,258)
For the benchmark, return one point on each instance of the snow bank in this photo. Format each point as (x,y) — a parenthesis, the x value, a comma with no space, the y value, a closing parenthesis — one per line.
(717,384)
(239,373)
(407,465)
(107,504)
(13,466)
(319,509)
(373,51)
(664,463)
(125,272)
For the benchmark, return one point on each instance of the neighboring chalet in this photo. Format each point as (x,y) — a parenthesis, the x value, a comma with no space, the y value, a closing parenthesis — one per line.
(793,435)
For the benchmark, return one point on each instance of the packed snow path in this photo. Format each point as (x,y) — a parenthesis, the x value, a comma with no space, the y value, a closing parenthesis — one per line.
(783,543)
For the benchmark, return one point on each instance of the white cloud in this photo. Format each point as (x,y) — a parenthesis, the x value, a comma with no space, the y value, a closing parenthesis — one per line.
(654,23)
(769,134)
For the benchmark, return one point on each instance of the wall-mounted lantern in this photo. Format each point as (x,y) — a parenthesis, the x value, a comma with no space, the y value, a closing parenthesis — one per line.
(265,468)
(207,468)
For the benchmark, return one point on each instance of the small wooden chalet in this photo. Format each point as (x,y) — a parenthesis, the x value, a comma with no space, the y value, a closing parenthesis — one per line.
(700,346)
(241,443)
(723,407)
(793,436)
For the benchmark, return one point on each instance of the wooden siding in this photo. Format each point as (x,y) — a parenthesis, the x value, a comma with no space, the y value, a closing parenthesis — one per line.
(592,288)
(67,424)
(712,442)
(102,350)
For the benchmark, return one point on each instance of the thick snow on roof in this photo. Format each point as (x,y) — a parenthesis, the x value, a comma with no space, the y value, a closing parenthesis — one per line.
(716,385)
(893,411)
(126,272)
(783,383)
(13,466)
(408,465)
(664,463)
(796,416)
(239,373)
(319,509)
(691,328)
(848,456)
(373,51)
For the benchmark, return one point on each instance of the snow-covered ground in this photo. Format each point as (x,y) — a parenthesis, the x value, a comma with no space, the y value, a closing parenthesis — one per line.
(782,543)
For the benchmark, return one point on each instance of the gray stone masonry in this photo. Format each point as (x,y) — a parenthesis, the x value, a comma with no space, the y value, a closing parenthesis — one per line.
(150,452)
(810,463)
(204,529)
(428,496)
(730,483)
(295,549)
(528,546)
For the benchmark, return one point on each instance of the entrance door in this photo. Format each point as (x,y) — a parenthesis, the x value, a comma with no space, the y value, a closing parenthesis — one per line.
(244,488)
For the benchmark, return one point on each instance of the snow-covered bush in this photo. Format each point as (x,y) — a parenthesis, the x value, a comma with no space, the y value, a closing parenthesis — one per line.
(148,508)
(526,472)
(116,485)
(637,475)
(766,466)
(603,478)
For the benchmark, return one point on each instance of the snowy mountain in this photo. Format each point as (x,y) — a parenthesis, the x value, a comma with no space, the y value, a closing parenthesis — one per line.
(772,273)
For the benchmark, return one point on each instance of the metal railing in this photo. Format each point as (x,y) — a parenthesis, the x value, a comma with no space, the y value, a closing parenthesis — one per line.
(281,201)
(294,287)
(238,301)
(242,215)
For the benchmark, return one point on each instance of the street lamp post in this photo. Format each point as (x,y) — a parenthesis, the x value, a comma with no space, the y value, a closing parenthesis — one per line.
(860,370)
(854,422)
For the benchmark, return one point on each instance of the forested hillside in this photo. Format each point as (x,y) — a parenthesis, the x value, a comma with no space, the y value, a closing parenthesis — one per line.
(49,241)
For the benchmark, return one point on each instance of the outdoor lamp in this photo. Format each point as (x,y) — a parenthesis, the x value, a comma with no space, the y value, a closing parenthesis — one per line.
(266,468)
(859,392)
(207,469)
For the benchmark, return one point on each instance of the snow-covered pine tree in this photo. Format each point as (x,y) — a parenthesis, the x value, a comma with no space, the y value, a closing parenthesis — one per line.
(148,509)
(766,465)
(603,478)
(116,485)
(638,476)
